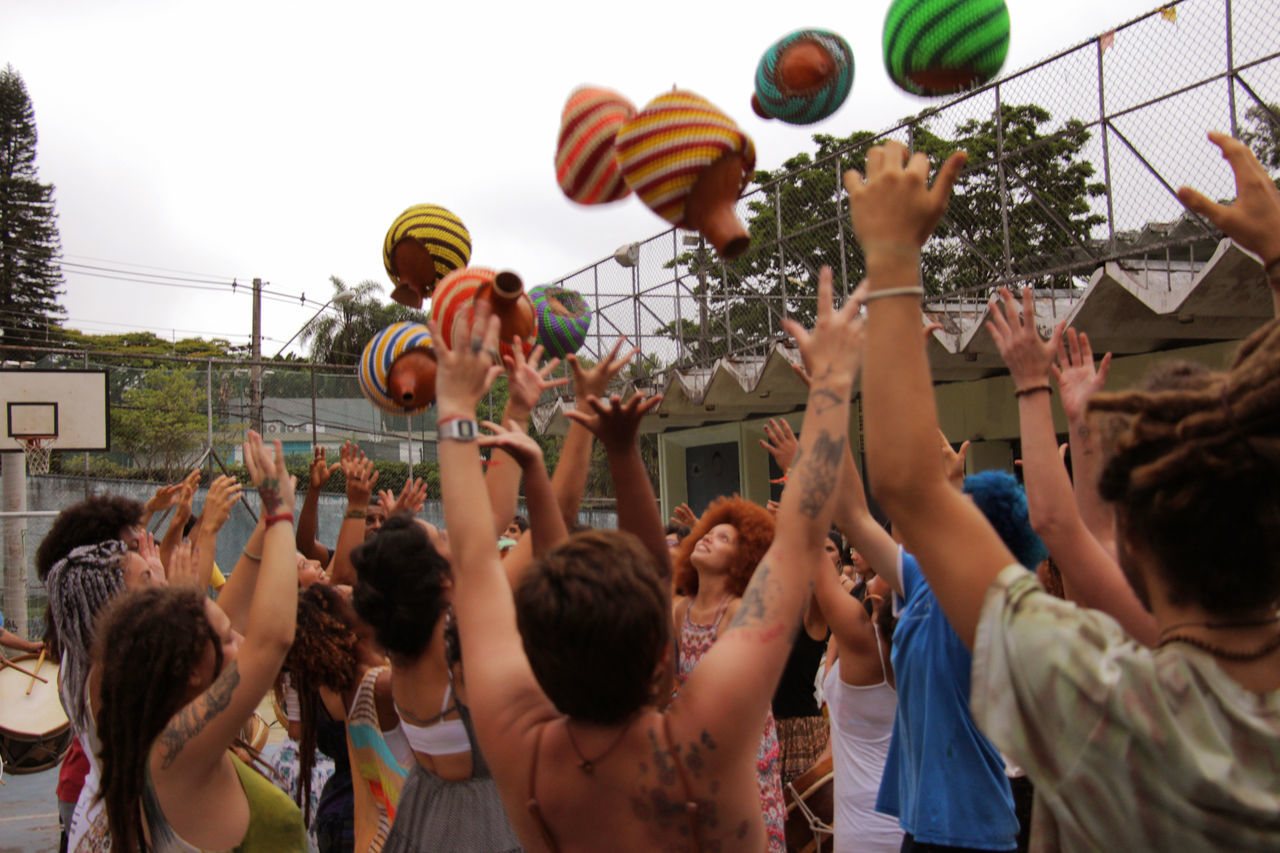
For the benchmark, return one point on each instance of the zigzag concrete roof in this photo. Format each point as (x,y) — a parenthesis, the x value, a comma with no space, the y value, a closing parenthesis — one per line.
(1128,307)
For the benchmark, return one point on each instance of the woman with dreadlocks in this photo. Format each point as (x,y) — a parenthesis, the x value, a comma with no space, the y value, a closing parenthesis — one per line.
(174,683)
(1173,747)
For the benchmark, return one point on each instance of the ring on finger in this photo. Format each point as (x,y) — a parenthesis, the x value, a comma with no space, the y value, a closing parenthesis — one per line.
(477,344)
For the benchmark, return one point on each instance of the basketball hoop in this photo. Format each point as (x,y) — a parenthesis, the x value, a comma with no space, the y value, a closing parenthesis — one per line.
(37,449)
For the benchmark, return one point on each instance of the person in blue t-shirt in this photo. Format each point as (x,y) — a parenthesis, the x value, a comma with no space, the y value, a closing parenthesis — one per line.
(944,781)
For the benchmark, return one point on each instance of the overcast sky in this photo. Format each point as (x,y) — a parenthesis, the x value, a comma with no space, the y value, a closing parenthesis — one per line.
(258,138)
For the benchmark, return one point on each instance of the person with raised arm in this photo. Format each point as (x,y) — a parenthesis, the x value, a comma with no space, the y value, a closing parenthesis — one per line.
(567,676)
(1130,748)
(1090,575)
(173,684)
(363,517)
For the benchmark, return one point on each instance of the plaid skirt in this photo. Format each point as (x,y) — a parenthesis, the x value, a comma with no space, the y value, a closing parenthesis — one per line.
(803,739)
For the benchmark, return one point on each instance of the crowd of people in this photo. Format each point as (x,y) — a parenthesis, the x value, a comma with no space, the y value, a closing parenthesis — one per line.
(1078,661)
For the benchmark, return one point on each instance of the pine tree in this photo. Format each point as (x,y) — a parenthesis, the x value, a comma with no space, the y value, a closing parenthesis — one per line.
(30,273)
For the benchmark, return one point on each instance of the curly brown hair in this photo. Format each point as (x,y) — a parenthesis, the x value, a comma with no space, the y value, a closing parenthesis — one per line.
(755,534)
(1193,475)
(147,646)
(323,654)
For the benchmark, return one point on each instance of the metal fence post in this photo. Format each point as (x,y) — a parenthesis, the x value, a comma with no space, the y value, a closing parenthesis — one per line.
(1004,187)
(844,263)
(208,409)
(1231,71)
(1106,149)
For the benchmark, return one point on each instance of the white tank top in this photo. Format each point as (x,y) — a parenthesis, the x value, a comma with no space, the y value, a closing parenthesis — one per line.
(861,729)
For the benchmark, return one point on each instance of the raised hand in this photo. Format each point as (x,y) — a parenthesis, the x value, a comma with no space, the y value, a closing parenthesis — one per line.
(182,507)
(223,494)
(683,514)
(1028,357)
(149,550)
(594,381)
(780,442)
(526,380)
(514,440)
(465,372)
(167,496)
(183,570)
(361,477)
(1253,220)
(613,422)
(894,209)
(268,473)
(953,460)
(832,350)
(321,471)
(1078,379)
(413,494)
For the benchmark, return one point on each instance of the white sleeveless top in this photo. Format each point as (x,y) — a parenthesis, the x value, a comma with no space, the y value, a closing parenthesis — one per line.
(861,729)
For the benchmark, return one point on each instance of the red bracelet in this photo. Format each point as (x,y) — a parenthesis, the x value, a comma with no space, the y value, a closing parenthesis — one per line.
(272,519)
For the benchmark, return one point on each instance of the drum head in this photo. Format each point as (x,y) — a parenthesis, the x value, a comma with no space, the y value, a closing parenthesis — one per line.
(34,731)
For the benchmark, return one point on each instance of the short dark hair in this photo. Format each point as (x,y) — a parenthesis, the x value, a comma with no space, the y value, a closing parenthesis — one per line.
(678,530)
(521,522)
(595,618)
(399,580)
(89,522)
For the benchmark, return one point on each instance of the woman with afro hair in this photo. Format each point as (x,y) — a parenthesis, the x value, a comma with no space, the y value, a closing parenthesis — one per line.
(712,570)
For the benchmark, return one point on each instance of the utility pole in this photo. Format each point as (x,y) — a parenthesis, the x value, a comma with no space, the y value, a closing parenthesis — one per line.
(255,370)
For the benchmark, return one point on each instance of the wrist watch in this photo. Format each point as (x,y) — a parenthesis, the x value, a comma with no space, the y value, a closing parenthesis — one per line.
(457,429)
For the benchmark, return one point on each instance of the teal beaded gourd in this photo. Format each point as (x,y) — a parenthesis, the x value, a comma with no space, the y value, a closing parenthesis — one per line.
(804,77)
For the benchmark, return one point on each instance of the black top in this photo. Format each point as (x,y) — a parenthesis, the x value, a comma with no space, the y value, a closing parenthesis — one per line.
(794,696)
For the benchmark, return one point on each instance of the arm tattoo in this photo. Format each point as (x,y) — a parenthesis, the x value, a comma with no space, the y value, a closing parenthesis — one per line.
(761,592)
(269,492)
(821,400)
(191,720)
(820,474)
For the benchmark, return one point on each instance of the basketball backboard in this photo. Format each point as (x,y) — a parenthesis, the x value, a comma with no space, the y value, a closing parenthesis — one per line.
(68,405)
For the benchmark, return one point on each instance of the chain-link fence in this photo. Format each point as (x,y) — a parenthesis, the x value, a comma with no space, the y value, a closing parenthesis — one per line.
(1073,162)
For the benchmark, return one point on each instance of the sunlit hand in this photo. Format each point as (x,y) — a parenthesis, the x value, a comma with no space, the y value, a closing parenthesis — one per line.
(361,476)
(1078,379)
(1028,357)
(412,497)
(781,442)
(613,422)
(183,570)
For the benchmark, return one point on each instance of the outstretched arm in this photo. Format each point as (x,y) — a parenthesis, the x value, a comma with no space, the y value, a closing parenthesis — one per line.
(894,211)
(1093,577)
(194,742)
(526,380)
(223,494)
(500,682)
(308,524)
(546,525)
(361,478)
(616,425)
(731,688)
(236,597)
(1078,381)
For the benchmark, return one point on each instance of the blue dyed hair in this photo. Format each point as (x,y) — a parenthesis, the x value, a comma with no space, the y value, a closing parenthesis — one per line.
(1004,502)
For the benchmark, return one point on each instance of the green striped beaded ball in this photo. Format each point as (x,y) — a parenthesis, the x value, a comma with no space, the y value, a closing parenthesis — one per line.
(941,47)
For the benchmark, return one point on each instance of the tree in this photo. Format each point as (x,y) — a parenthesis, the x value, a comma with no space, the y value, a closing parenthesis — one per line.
(1046,193)
(161,423)
(339,338)
(1263,134)
(30,274)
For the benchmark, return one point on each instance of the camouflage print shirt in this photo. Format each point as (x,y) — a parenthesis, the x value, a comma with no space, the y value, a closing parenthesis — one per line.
(1129,748)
